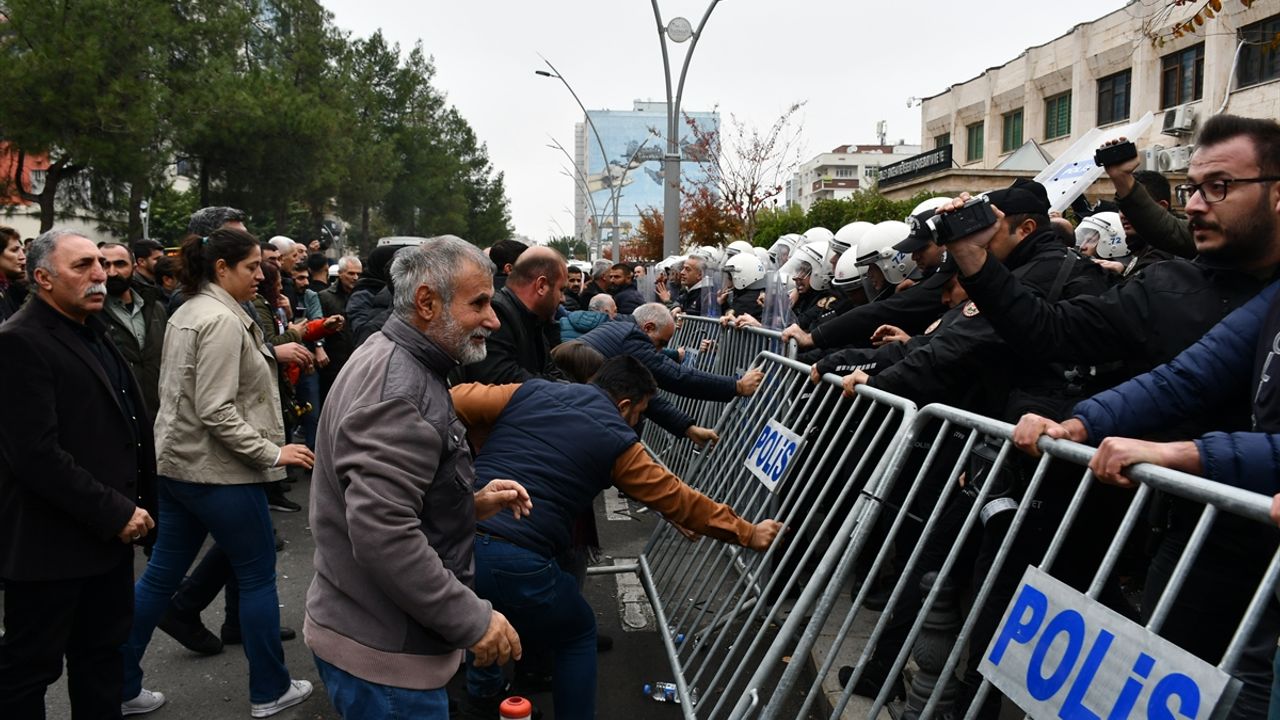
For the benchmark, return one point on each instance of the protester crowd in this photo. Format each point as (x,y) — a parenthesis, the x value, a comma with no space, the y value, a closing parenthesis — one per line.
(166,400)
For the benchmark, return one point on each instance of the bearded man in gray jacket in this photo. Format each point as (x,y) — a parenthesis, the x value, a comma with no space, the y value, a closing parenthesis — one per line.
(391,608)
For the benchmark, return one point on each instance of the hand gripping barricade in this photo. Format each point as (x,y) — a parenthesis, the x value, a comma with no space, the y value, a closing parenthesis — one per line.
(796,452)
(730,351)
(973,626)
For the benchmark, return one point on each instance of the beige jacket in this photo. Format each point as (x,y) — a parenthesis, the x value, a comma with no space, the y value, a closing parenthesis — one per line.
(220,421)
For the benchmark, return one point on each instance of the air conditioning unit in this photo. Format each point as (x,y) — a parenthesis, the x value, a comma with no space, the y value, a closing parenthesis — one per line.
(1175,159)
(1179,121)
(1151,158)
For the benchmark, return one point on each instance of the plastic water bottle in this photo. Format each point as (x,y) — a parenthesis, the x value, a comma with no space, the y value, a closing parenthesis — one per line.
(666,692)
(515,708)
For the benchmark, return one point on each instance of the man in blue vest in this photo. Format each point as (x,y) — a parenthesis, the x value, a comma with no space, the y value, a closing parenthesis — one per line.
(516,568)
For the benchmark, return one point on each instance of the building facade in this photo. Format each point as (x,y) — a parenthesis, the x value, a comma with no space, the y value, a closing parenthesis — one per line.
(633,145)
(1182,62)
(840,173)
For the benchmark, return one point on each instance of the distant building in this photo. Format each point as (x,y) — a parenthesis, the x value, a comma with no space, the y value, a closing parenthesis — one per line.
(634,142)
(842,172)
(1103,73)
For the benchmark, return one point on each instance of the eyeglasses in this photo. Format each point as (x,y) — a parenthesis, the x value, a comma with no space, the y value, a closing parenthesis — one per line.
(1212,191)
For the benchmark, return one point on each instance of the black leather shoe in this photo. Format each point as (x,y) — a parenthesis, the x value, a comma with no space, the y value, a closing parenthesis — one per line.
(191,634)
(231,634)
(604,643)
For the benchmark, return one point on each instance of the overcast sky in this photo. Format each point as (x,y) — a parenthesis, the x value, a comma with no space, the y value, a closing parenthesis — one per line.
(854,63)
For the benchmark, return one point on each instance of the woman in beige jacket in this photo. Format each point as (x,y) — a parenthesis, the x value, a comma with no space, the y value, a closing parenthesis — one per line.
(219,437)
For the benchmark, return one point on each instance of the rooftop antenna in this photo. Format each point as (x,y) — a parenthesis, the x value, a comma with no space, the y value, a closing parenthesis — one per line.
(882,130)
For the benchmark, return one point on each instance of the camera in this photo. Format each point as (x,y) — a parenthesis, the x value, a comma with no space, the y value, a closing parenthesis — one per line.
(975,215)
(1115,154)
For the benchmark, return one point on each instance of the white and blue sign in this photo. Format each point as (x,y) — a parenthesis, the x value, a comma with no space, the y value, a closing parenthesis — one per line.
(1059,654)
(774,450)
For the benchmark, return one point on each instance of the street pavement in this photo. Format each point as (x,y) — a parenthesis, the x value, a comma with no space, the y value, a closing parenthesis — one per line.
(207,688)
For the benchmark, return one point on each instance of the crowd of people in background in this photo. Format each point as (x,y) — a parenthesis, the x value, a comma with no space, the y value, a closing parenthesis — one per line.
(171,397)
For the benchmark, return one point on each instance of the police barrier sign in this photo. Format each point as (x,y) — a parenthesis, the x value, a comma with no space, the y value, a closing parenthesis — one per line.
(773,452)
(1058,654)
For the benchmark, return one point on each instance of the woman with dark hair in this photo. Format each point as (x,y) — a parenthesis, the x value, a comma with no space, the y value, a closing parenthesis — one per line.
(219,438)
(13,269)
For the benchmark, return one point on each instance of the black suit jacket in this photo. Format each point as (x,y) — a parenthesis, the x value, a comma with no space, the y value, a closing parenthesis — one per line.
(73,465)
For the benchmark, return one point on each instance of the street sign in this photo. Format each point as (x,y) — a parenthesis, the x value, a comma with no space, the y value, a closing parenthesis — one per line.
(773,451)
(1060,654)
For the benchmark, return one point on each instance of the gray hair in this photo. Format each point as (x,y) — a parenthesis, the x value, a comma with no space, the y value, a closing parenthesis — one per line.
(42,247)
(345,261)
(282,243)
(435,263)
(654,312)
(602,302)
(206,220)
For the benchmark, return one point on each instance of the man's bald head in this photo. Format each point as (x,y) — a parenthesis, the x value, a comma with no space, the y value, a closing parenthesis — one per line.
(538,278)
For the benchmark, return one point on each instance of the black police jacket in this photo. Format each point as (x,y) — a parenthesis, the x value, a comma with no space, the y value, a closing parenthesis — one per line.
(1141,323)
(968,363)
(913,310)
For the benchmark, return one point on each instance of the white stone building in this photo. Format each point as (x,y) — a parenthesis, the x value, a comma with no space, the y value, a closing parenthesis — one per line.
(842,172)
(1106,72)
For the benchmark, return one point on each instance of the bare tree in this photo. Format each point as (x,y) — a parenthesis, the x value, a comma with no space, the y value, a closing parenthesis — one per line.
(746,166)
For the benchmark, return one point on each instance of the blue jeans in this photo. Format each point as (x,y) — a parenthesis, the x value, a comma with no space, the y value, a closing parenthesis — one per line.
(237,517)
(544,605)
(357,699)
(308,391)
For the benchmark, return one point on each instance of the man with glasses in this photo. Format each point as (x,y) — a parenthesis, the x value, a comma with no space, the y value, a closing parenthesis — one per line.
(1234,213)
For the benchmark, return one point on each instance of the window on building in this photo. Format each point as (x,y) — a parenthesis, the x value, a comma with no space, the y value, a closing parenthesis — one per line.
(847,172)
(1260,57)
(871,171)
(941,140)
(1011,134)
(1182,76)
(1057,116)
(1113,97)
(976,135)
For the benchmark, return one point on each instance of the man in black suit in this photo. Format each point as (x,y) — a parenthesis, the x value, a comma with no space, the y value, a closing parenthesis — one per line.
(76,462)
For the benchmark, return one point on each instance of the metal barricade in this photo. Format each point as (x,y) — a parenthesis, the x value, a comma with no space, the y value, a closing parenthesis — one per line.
(813,451)
(953,556)
(727,351)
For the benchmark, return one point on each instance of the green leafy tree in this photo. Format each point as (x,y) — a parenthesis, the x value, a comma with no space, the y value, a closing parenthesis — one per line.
(79,85)
(772,223)
(571,247)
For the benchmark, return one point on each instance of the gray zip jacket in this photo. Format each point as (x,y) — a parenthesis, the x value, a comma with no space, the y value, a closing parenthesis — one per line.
(393,518)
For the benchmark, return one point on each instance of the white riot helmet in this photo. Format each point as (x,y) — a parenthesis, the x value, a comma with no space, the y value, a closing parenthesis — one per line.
(784,247)
(744,270)
(876,248)
(848,271)
(763,256)
(815,234)
(847,236)
(735,247)
(712,256)
(1103,228)
(809,260)
(932,204)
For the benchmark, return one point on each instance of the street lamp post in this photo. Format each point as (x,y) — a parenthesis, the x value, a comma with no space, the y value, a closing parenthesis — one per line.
(581,181)
(617,247)
(678,30)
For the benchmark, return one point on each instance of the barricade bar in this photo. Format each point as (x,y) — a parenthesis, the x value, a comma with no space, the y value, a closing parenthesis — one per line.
(794,451)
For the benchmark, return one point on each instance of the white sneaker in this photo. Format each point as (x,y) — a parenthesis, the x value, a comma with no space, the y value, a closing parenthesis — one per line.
(298,691)
(146,702)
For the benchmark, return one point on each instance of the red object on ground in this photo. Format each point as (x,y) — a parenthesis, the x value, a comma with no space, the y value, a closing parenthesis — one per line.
(515,708)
